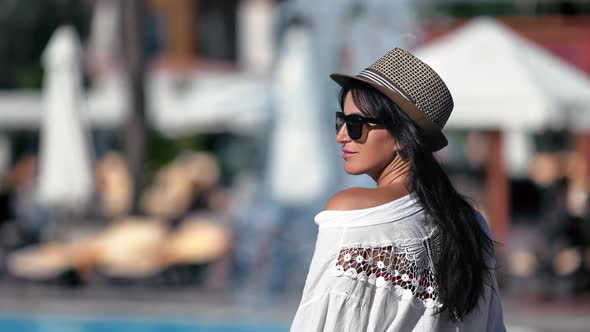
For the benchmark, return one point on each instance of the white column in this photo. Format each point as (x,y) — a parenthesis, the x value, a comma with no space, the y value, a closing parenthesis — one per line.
(256,34)
(518,150)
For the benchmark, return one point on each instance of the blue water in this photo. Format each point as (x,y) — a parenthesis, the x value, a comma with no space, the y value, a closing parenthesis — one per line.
(22,323)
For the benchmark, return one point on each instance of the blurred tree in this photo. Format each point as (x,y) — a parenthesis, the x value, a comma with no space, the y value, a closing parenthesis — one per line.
(553,140)
(25,28)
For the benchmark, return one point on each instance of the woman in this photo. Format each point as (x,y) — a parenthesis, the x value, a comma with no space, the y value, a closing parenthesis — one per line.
(410,254)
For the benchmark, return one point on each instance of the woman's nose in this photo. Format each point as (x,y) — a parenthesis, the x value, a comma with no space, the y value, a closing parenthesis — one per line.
(342,135)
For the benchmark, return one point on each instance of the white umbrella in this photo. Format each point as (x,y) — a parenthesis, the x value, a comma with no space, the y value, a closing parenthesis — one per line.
(299,162)
(65,178)
(500,80)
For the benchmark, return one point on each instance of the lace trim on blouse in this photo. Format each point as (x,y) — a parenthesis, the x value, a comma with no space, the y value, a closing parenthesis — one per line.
(404,266)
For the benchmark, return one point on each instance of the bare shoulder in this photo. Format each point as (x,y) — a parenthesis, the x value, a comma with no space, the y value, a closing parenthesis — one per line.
(346,199)
(359,198)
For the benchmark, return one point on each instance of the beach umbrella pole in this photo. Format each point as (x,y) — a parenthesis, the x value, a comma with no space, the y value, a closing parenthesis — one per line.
(135,127)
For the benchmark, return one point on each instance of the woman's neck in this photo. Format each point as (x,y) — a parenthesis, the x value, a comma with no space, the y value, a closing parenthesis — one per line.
(396,173)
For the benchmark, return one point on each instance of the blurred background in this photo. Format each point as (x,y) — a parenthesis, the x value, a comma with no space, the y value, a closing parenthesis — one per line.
(161,162)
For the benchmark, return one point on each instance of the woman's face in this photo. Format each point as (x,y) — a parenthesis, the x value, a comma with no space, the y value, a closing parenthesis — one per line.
(371,152)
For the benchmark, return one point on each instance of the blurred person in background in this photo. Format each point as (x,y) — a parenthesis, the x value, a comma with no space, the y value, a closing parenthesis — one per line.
(411,254)
(29,217)
(113,185)
(565,223)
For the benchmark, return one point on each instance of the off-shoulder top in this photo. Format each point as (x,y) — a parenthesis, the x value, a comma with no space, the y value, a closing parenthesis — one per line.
(373,270)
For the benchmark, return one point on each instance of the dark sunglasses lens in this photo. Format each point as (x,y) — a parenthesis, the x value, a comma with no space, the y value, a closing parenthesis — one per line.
(355,130)
(353,127)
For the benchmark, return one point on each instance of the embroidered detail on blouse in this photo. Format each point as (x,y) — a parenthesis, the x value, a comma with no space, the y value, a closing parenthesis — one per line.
(406,267)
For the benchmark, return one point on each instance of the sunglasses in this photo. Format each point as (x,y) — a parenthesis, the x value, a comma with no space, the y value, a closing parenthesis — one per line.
(354,124)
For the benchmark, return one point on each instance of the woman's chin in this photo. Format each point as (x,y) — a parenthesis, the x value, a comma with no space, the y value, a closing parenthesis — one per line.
(350,169)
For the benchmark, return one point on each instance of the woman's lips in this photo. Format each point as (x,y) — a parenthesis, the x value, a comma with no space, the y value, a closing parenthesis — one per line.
(346,154)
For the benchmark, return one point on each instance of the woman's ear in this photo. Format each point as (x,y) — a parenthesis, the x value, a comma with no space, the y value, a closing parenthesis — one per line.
(400,151)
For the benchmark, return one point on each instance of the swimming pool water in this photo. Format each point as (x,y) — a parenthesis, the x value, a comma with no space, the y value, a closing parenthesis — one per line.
(23,323)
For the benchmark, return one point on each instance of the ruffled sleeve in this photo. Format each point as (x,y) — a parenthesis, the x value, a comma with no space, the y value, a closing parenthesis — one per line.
(342,311)
(331,311)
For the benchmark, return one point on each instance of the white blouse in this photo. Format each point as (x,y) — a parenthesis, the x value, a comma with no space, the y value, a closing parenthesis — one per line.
(372,270)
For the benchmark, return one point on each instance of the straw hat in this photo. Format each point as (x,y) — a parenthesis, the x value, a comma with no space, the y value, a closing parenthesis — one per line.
(414,87)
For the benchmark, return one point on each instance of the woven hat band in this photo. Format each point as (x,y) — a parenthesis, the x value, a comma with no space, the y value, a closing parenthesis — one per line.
(377,78)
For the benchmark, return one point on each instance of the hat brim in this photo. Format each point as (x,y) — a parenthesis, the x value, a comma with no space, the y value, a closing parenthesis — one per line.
(434,136)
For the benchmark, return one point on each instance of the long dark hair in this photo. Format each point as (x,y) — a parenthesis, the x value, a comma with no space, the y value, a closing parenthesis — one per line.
(461,269)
